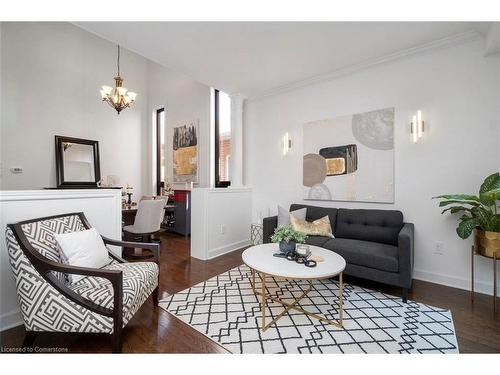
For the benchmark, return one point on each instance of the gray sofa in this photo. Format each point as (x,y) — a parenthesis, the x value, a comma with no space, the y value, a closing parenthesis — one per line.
(376,244)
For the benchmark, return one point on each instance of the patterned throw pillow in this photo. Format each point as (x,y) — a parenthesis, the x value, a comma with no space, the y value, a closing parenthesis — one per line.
(320,227)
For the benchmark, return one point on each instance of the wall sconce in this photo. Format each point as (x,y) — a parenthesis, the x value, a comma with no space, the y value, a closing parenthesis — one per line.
(287,143)
(417,127)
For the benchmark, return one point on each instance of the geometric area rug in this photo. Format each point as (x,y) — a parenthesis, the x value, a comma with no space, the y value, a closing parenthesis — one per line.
(225,309)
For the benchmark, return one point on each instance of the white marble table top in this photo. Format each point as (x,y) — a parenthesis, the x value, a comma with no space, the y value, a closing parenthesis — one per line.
(261,259)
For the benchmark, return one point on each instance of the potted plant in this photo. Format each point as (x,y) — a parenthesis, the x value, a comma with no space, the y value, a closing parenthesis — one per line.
(287,237)
(479,212)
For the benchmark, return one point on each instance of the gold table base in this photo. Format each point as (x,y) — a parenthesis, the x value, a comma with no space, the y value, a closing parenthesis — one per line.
(494,259)
(293,306)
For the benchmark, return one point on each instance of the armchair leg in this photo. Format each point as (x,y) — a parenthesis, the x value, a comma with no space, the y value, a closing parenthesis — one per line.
(155,297)
(116,342)
(29,339)
(404,294)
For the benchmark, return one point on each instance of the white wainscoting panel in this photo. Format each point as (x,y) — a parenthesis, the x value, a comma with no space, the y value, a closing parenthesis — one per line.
(220,221)
(102,207)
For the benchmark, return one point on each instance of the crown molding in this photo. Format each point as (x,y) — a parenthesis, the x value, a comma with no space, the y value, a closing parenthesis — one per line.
(492,40)
(442,43)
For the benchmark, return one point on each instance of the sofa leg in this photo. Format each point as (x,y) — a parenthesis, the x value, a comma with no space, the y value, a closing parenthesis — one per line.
(155,297)
(116,342)
(404,294)
(29,339)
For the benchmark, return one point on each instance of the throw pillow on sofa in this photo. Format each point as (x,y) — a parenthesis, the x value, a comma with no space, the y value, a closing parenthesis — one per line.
(284,215)
(320,227)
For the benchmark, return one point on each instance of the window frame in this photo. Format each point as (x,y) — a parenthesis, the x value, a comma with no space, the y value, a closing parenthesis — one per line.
(158,112)
(218,182)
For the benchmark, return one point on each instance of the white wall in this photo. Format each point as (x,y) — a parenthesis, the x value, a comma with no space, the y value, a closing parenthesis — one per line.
(51,74)
(456,88)
(102,208)
(184,100)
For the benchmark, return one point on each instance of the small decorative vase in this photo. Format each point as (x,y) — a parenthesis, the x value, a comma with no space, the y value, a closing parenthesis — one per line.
(286,247)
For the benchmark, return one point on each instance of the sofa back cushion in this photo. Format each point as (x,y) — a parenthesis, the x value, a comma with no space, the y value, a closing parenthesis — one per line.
(315,213)
(369,225)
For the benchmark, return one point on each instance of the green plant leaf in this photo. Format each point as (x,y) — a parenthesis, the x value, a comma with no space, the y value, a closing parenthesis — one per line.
(460,201)
(285,233)
(490,197)
(496,223)
(491,182)
(456,209)
(485,218)
(465,197)
(466,227)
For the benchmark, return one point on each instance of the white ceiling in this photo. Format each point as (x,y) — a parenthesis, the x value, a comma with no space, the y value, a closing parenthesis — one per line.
(252,58)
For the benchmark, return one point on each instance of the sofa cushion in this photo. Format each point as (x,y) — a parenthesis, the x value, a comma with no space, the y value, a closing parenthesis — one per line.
(366,253)
(317,240)
(315,213)
(369,225)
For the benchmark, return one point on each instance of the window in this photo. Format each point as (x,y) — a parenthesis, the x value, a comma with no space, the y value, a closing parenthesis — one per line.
(160,150)
(222,113)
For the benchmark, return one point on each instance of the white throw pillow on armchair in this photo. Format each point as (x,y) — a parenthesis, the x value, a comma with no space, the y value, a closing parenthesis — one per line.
(83,249)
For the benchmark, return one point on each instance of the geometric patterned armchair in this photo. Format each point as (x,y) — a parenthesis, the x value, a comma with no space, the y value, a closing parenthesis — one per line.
(102,302)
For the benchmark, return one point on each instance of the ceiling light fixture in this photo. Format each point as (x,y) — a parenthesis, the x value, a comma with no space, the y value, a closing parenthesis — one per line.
(119,98)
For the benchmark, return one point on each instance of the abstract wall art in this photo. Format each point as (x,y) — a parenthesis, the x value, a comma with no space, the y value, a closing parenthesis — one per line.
(350,158)
(185,158)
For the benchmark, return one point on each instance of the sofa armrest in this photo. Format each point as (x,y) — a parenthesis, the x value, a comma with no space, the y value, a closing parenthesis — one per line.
(269,224)
(406,252)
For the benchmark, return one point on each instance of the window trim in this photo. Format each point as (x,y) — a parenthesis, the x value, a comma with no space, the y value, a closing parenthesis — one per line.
(159,111)
(218,182)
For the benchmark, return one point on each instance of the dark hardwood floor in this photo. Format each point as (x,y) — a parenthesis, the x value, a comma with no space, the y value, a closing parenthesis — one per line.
(153,330)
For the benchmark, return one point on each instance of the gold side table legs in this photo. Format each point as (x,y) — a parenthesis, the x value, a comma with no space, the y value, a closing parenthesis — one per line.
(495,282)
(472,273)
(494,278)
(289,306)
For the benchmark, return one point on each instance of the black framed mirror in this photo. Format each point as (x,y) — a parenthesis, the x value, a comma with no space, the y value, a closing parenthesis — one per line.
(77,162)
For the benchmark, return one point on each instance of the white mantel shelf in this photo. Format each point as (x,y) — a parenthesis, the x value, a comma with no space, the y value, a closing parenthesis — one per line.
(49,194)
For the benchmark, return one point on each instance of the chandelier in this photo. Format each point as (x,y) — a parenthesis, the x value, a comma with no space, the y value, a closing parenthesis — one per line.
(119,98)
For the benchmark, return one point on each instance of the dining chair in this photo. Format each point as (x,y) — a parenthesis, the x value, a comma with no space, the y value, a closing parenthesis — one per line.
(147,222)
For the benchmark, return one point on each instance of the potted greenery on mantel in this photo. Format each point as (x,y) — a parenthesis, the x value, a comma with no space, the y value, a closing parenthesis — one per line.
(479,212)
(287,238)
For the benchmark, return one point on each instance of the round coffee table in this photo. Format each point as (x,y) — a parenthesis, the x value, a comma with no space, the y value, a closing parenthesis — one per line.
(260,259)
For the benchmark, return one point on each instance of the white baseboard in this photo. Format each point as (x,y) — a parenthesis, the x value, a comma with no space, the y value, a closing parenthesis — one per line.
(10,319)
(214,253)
(454,282)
